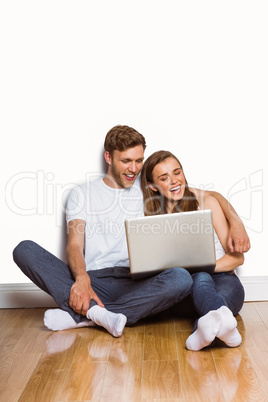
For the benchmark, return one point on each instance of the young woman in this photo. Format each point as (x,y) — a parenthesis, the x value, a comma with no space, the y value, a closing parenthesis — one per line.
(218,297)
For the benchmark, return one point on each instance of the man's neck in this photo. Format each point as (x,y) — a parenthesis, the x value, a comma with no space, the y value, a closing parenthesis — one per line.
(110,182)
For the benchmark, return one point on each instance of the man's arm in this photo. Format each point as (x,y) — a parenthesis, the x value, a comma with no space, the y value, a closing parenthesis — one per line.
(238,240)
(230,260)
(81,292)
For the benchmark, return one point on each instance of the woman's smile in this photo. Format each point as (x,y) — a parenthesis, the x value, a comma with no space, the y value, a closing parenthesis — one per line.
(168,179)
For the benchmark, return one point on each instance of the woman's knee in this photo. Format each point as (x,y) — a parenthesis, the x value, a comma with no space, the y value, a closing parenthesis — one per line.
(180,279)
(232,291)
(201,281)
(200,278)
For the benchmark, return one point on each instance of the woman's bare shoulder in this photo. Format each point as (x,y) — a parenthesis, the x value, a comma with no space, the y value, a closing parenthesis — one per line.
(205,201)
(211,202)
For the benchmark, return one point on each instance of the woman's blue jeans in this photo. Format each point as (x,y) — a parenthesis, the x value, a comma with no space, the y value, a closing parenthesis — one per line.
(210,292)
(114,286)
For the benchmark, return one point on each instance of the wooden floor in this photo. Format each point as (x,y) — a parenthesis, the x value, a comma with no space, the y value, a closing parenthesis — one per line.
(148,363)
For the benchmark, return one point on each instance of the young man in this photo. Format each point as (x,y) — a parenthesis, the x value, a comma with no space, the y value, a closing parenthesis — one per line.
(95,287)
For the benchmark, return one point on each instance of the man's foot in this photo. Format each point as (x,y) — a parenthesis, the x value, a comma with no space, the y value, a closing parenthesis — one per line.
(57,320)
(114,323)
(207,329)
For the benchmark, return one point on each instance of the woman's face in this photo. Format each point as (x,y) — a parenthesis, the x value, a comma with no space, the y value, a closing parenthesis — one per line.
(169,180)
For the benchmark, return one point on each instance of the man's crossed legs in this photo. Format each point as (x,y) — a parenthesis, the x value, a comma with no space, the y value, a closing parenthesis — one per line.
(126,301)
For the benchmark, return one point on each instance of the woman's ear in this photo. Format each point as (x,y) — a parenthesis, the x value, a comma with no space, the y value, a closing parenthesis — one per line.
(152,187)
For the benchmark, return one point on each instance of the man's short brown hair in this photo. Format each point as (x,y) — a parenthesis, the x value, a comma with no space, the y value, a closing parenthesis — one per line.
(123,137)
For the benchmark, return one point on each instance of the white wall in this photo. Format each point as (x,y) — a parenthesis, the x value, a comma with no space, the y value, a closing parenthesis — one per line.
(190,75)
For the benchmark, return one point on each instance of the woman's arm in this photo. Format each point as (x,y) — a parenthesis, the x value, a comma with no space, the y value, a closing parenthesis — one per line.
(237,238)
(230,260)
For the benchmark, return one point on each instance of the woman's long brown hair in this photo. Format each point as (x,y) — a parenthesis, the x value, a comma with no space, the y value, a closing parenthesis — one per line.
(154,202)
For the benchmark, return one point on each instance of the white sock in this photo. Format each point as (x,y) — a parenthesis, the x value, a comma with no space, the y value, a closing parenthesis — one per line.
(228,332)
(207,329)
(114,323)
(58,319)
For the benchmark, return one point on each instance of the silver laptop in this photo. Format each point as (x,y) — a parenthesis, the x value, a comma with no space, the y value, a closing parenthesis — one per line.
(159,242)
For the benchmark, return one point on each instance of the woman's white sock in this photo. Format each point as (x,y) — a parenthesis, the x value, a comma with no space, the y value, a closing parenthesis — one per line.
(58,319)
(207,329)
(228,332)
(114,323)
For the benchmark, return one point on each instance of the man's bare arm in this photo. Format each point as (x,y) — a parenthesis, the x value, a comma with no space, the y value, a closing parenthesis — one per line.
(238,240)
(81,292)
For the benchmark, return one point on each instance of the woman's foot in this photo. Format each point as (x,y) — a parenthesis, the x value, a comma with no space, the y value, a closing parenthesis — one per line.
(228,332)
(207,328)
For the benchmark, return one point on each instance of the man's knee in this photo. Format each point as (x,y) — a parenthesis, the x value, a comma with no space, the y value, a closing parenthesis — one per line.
(22,251)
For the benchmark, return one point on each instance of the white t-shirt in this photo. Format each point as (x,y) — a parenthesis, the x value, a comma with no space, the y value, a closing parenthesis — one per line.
(104,209)
(219,250)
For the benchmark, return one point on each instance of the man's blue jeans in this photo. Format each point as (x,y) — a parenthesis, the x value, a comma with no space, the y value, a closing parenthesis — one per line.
(114,286)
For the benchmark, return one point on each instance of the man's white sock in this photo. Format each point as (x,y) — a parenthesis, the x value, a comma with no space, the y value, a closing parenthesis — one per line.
(114,323)
(58,319)
(228,332)
(207,329)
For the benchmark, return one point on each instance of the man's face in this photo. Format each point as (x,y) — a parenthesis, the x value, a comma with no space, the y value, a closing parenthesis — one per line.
(124,166)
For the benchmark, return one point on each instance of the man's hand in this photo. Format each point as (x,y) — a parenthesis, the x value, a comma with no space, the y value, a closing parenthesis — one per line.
(80,295)
(238,239)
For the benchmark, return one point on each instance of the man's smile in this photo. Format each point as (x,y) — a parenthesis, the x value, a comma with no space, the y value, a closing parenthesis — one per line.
(129,177)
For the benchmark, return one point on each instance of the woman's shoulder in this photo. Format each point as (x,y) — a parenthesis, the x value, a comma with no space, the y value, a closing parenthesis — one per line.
(210,202)
(205,201)
(197,192)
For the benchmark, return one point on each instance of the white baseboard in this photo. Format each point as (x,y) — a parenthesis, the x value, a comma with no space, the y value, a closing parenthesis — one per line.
(256,287)
(28,295)
(24,295)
